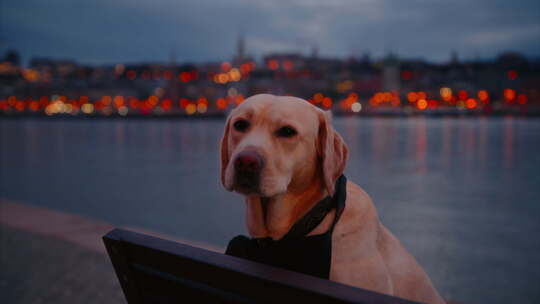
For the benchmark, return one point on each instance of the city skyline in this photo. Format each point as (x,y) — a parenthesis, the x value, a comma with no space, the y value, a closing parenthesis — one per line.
(122,32)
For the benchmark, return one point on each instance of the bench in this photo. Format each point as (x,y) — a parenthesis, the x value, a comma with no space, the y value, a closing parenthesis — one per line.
(153,270)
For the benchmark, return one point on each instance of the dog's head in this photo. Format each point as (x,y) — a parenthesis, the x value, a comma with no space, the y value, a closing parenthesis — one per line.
(274,144)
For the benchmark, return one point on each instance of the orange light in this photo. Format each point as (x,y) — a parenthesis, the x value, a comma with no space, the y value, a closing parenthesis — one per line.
(221,103)
(202,100)
(153,100)
(234,74)
(412,96)
(239,99)
(422,95)
(327,102)
(483,95)
(118,101)
(509,94)
(422,104)
(106,100)
(223,78)
(446,93)
(318,97)
(471,103)
(191,108)
(20,105)
(12,100)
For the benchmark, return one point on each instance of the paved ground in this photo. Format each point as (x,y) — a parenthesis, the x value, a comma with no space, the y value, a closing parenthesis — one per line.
(40,269)
(48,256)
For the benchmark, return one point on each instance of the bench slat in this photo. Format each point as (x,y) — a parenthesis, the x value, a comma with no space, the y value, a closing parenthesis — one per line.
(153,270)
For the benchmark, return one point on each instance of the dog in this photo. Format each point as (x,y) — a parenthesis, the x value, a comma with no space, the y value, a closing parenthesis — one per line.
(284,156)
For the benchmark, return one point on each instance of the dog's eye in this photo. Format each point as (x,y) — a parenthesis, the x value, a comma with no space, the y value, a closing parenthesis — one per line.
(286,132)
(241,125)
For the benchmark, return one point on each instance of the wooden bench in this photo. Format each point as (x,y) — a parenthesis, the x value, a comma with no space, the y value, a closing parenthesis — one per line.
(153,270)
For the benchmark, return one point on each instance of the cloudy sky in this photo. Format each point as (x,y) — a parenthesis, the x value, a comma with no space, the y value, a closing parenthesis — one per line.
(123,31)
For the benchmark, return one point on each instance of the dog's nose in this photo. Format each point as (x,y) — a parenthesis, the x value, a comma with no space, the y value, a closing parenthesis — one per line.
(248,162)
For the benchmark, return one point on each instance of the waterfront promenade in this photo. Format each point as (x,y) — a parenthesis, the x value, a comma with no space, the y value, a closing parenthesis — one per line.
(52,257)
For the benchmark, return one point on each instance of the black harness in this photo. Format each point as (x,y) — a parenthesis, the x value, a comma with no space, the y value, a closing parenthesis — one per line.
(296,251)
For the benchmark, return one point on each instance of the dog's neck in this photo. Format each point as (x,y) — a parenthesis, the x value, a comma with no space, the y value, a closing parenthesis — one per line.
(274,217)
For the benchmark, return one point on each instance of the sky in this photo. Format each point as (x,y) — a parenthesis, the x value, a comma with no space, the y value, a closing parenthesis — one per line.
(129,31)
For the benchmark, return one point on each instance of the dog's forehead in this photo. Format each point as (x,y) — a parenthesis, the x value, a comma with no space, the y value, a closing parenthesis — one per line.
(266,107)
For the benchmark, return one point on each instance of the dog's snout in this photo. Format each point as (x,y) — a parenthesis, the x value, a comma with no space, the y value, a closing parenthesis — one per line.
(248,162)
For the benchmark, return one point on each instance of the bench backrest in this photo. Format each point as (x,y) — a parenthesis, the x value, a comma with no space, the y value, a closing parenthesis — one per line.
(153,270)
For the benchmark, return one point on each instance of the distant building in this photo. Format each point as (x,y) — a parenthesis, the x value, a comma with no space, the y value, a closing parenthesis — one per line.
(391,74)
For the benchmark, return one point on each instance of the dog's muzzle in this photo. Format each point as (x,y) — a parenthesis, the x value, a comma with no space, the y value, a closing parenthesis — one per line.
(247,171)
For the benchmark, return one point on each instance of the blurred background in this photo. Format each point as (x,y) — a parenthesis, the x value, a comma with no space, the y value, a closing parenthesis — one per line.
(111,115)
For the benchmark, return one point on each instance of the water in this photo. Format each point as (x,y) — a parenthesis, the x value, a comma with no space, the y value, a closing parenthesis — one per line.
(460,193)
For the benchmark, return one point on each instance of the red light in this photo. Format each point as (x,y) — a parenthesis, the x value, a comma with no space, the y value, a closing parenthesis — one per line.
(20,105)
(422,104)
(134,103)
(512,75)
(288,65)
(168,75)
(245,68)
(225,66)
(184,102)
(471,103)
(412,96)
(462,94)
(166,104)
(406,75)
(185,77)
(131,75)
(202,100)
(194,75)
(273,64)
(509,94)
(522,99)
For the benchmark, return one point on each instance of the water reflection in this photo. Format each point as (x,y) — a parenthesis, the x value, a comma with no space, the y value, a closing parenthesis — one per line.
(421,141)
(460,193)
(446,149)
(508,142)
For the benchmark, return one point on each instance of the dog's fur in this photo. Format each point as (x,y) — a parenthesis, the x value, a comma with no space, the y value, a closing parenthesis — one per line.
(300,170)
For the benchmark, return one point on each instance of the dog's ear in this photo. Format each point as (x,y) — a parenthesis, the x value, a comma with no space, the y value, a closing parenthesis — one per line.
(332,151)
(225,149)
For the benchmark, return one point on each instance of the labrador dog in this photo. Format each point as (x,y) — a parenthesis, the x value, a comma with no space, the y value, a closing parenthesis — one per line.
(297,157)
